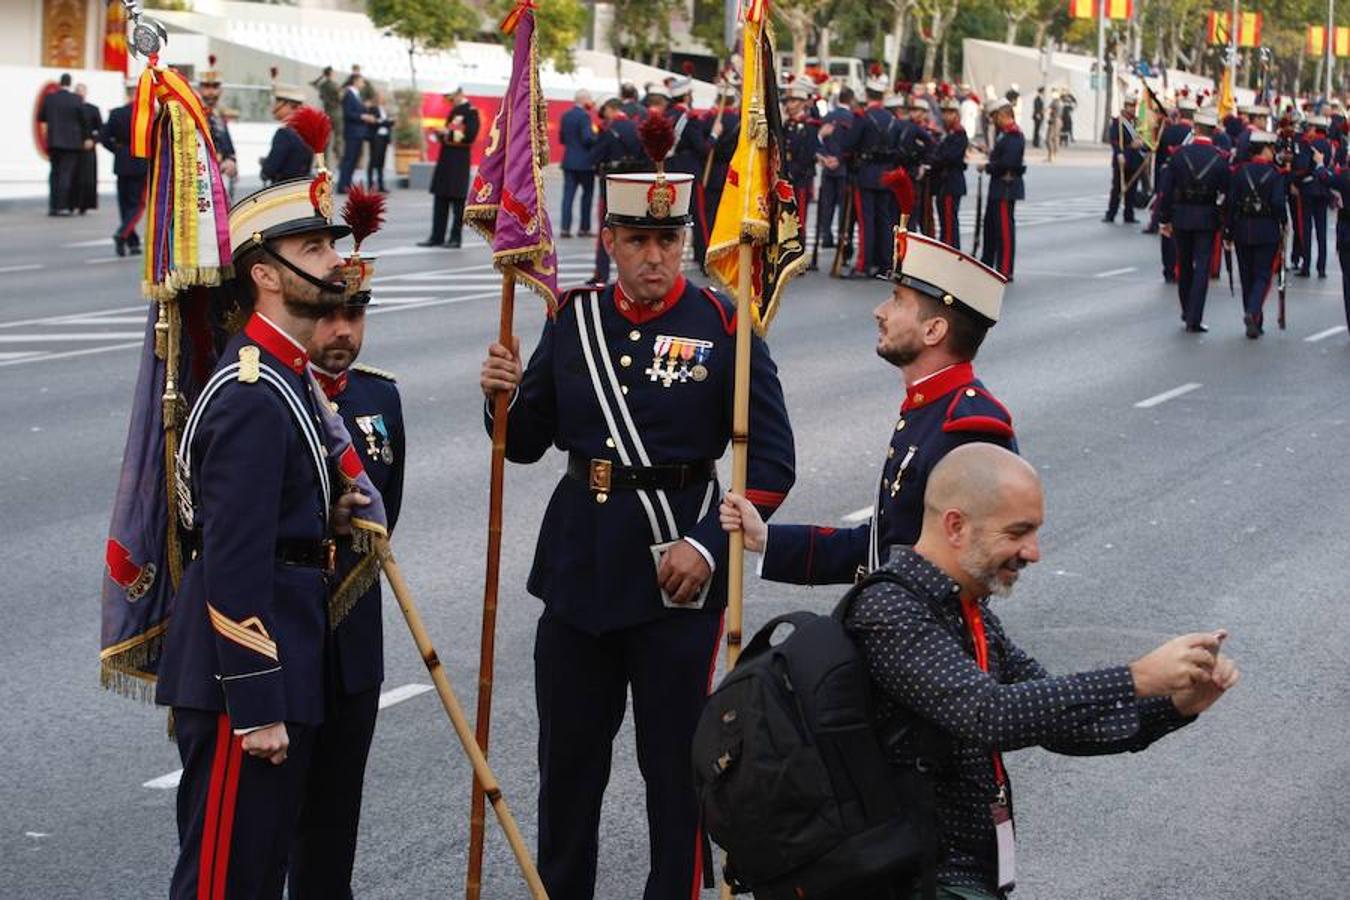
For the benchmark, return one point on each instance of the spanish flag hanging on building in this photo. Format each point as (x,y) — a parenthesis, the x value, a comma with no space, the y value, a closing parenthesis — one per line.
(1249,29)
(758,204)
(1087,9)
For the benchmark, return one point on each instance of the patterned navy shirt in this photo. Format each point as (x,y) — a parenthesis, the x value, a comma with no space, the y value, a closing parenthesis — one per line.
(922,662)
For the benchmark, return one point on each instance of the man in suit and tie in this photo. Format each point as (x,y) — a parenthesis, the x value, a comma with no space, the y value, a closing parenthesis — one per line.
(130,172)
(577,132)
(61,116)
(356,120)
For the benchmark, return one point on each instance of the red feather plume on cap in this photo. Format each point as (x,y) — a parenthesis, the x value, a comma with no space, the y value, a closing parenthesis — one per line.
(874,69)
(902,186)
(363,212)
(819,76)
(657,135)
(903,87)
(313,126)
(688,67)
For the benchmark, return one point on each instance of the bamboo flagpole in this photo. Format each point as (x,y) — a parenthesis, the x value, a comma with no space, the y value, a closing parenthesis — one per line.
(507,207)
(482,772)
(491,581)
(740,446)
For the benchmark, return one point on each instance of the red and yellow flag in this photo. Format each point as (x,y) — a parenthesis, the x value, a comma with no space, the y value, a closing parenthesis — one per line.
(115,38)
(1340,44)
(1249,29)
(1087,9)
(1317,40)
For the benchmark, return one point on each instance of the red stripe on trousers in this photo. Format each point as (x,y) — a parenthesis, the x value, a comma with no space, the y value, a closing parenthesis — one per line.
(218,828)
(1298,226)
(948,220)
(1005,264)
(1215,255)
(698,833)
(803,204)
(1274,269)
(862,230)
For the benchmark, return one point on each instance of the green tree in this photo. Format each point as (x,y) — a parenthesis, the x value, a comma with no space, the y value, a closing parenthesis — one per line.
(641,28)
(424,24)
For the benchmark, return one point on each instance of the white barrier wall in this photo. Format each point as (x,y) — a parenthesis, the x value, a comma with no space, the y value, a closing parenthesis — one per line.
(23,169)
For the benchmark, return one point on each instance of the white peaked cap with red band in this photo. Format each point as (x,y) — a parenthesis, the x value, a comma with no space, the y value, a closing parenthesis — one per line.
(648,199)
(948,275)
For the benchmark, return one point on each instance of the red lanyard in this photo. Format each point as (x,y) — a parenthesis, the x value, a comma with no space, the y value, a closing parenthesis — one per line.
(970,611)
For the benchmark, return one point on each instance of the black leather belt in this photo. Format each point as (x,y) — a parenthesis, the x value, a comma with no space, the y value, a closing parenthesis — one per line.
(603,476)
(309,554)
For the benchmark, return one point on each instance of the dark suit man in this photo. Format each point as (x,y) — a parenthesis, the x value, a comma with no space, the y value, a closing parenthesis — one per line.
(367,399)
(130,172)
(355,122)
(62,115)
(450,180)
(577,134)
(86,176)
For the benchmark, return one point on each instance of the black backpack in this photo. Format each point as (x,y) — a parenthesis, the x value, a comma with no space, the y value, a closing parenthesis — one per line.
(795,782)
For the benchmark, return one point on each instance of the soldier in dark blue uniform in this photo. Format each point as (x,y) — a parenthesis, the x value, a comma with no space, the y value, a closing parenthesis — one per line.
(1170,137)
(1337,181)
(244,657)
(723,133)
(941,306)
(630,104)
(130,172)
(915,146)
(1004,168)
(689,154)
(1190,188)
(209,87)
(871,141)
(367,400)
(1312,194)
(835,193)
(1254,222)
(1127,155)
(949,173)
(634,383)
(617,149)
(289,157)
(803,145)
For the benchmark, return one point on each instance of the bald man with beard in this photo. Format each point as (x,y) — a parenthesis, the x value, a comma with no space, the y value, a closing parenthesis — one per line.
(936,653)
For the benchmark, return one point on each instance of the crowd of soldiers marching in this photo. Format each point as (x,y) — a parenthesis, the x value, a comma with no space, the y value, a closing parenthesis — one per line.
(845,154)
(1254,185)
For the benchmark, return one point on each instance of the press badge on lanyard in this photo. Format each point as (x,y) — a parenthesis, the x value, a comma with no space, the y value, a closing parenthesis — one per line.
(1000,810)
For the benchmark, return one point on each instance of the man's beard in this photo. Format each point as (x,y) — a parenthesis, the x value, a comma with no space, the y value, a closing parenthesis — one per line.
(900,356)
(326,358)
(306,301)
(978,562)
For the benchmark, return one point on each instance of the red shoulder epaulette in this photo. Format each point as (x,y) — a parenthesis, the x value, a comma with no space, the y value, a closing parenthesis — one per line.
(974,409)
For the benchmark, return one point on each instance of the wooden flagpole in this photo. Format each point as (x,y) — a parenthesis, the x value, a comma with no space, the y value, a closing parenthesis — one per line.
(487,645)
(740,438)
(483,777)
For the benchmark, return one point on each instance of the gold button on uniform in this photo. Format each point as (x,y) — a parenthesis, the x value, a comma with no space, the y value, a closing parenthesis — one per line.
(970,392)
(609,442)
(918,398)
(601,498)
(890,452)
(900,426)
(635,335)
(625,360)
(625,388)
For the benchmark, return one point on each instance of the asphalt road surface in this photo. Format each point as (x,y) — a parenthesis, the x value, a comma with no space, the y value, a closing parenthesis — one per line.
(1193,482)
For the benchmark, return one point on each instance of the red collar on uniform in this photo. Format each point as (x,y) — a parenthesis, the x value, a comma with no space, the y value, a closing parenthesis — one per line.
(640,313)
(926,390)
(265,333)
(332,385)
(1201,139)
(1010,128)
(874,104)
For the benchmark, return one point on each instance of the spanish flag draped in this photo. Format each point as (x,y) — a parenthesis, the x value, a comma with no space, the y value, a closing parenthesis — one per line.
(1087,9)
(758,205)
(1249,28)
(1226,105)
(1150,119)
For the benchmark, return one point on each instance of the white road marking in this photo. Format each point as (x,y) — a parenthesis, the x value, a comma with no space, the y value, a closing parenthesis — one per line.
(107,259)
(69,353)
(77,336)
(1323,335)
(1125,271)
(18,354)
(403,692)
(36,834)
(165,782)
(105,320)
(61,320)
(96,242)
(1175,392)
(858,515)
(24,268)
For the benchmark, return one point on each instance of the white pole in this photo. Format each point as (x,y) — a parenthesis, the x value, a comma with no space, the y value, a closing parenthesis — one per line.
(1098,122)
(1331,33)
